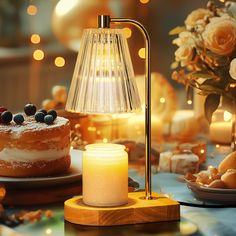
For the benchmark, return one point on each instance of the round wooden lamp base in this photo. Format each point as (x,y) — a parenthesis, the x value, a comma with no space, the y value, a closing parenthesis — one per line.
(137,210)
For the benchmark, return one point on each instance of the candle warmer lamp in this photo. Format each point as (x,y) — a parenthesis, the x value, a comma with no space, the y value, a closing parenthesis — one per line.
(103,82)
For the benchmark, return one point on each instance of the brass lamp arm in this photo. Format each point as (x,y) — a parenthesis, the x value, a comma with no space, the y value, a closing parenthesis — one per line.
(104,22)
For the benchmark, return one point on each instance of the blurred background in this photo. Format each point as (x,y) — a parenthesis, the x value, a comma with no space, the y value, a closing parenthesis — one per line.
(39,42)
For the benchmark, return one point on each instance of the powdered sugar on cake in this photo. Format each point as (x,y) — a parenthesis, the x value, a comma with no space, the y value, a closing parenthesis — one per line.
(30,125)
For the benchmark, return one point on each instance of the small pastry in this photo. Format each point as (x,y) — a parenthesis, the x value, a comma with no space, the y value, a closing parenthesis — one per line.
(203,177)
(217,184)
(229,178)
(190,177)
(213,173)
(229,162)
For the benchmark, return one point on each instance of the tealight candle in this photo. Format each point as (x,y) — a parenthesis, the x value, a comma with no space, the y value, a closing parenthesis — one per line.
(105,175)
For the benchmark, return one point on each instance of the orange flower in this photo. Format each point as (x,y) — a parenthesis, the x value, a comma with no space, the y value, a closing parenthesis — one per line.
(220,35)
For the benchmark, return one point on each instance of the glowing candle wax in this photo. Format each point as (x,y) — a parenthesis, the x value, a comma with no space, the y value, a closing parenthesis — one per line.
(105,175)
(220,132)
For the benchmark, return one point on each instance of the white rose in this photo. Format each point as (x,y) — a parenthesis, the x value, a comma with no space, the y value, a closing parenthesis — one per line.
(184,55)
(197,17)
(232,70)
(185,38)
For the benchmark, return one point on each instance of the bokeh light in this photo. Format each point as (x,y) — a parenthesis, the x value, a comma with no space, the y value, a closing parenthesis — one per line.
(127,32)
(48,231)
(162,100)
(59,61)
(35,38)
(32,10)
(38,55)
(189,102)
(141,53)
(227,116)
(105,140)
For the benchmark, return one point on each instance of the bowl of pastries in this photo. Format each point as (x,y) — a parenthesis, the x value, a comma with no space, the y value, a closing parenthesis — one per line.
(217,184)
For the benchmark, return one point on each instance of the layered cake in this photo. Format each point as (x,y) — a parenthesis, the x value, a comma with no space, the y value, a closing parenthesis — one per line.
(34,146)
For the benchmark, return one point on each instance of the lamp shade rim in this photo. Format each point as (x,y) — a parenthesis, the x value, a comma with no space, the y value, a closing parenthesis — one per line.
(102,113)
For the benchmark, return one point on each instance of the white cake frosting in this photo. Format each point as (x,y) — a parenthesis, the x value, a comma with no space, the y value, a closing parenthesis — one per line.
(20,155)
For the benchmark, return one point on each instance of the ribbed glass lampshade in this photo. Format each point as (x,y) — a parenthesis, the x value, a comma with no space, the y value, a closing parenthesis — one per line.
(103,79)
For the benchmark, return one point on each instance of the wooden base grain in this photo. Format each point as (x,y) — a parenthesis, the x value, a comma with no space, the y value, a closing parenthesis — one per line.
(137,210)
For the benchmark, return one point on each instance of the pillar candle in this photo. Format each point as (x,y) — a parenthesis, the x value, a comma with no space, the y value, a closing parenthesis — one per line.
(220,132)
(105,175)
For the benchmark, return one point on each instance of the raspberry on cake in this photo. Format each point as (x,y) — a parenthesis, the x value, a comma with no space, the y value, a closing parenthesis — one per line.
(34,148)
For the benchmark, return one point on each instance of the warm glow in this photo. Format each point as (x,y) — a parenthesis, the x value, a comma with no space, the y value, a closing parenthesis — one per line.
(105,140)
(144,1)
(35,38)
(141,53)
(127,32)
(233,85)
(103,165)
(217,145)
(143,107)
(64,6)
(48,231)
(38,55)
(91,128)
(32,10)
(202,151)
(187,228)
(59,61)
(162,100)
(189,102)
(227,116)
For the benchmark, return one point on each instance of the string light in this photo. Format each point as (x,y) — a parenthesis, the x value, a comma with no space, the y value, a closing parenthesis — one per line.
(59,61)
(141,53)
(32,10)
(127,32)
(38,55)
(35,38)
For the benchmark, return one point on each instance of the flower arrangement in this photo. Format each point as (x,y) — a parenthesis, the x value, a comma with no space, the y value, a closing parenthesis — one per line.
(206,55)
